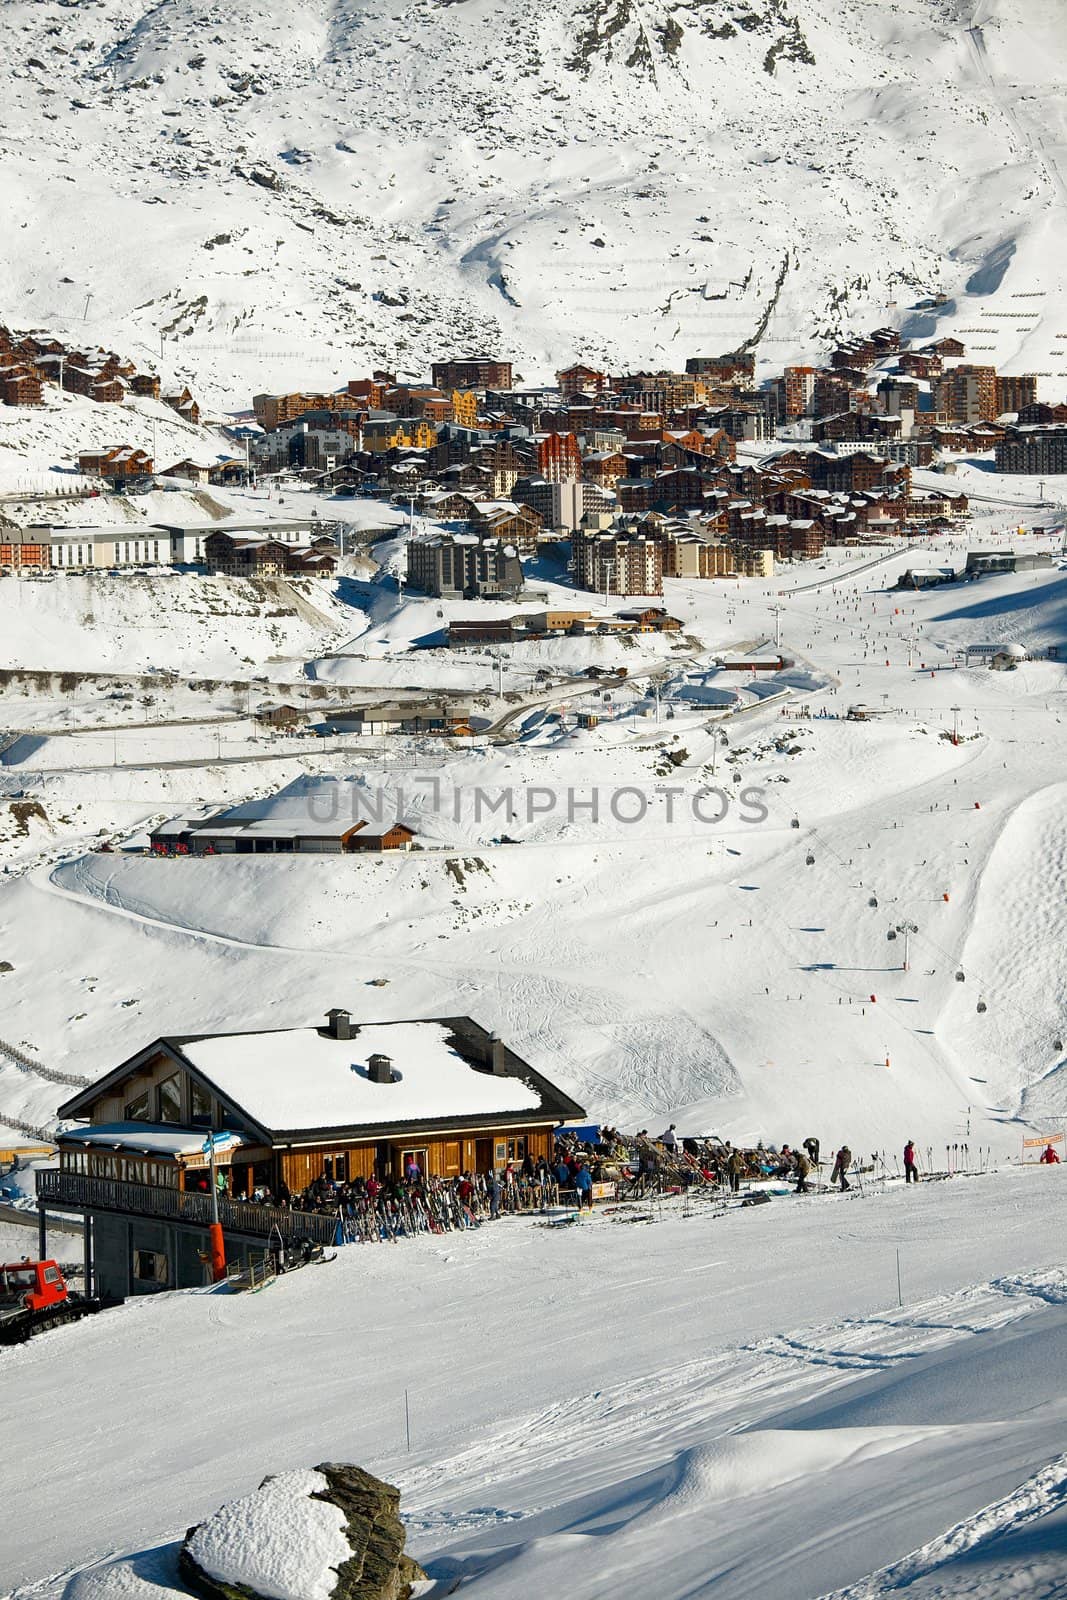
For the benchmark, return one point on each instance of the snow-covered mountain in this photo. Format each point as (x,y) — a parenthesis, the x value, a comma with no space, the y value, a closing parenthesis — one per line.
(275,195)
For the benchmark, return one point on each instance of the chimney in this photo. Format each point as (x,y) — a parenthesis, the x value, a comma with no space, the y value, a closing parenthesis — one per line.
(497,1056)
(380,1068)
(338,1024)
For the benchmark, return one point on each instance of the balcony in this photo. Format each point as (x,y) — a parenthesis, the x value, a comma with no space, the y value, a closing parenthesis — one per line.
(75,1190)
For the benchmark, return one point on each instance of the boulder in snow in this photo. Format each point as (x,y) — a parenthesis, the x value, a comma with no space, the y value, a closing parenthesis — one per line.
(333,1533)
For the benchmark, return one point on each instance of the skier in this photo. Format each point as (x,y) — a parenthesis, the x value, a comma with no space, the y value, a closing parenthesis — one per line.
(670,1139)
(842,1162)
(1049,1157)
(735,1166)
(812,1147)
(802,1169)
(911,1169)
(493,1184)
(583,1183)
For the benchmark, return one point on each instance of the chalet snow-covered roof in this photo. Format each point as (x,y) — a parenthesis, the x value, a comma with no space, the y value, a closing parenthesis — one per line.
(299,1082)
(304,1079)
(143,1138)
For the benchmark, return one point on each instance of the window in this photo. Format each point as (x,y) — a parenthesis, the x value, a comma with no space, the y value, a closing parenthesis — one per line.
(139,1110)
(170,1099)
(150,1269)
(200,1102)
(412,1162)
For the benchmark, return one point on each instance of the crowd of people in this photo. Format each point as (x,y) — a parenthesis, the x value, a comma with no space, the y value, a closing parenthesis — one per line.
(402,1204)
(640,1163)
(612,1163)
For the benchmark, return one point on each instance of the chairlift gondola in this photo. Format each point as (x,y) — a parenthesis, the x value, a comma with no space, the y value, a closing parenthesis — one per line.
(873,902)
(981,1006)
(795,822)
(809,860)
(1057,1045)
(891,934)
(961,976)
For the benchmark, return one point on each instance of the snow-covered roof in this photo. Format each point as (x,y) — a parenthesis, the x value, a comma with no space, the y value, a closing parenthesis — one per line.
(301,1078)
(145,1138)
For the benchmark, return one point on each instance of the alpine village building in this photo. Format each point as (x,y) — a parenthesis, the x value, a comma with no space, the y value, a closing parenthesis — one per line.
(343,1101)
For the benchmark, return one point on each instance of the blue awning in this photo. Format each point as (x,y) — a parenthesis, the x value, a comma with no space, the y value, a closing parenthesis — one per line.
(588,1133)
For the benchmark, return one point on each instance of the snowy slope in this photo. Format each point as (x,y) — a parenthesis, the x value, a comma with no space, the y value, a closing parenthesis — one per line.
(288,197)
(719,1404)
(182,623)
(718,967)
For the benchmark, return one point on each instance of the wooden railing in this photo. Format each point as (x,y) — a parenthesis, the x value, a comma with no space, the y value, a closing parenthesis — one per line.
(147,1200)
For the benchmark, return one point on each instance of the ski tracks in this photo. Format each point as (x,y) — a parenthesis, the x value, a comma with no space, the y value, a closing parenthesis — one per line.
(1041,1495)
(696,1401)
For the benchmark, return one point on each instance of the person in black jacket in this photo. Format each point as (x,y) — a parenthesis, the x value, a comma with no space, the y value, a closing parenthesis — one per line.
(842,1162)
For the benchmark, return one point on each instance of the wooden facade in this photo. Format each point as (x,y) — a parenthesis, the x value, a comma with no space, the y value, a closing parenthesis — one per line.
(249,1167)
(163,1092)
(437,1156)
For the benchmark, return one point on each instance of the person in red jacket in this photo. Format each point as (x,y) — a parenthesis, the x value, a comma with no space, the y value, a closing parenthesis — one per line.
(911,1170)
(1049,1157)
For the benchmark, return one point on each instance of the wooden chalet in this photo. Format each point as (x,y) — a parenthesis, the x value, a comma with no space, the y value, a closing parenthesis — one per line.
(183,403)
(122,461)
(341,1101)
(237,557)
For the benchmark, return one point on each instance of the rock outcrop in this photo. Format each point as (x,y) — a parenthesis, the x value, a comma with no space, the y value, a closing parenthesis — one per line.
(287,1541)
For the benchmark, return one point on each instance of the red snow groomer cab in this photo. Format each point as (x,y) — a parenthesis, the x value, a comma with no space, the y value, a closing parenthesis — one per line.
(34,1297)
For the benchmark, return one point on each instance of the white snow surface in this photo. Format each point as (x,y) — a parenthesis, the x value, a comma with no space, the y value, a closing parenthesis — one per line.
(716,1403)
(144,1137)
(279,1541)
(301,1079)
(652,963)
(260,198)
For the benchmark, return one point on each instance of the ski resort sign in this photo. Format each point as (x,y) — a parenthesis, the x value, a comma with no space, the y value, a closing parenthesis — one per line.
(217,1142)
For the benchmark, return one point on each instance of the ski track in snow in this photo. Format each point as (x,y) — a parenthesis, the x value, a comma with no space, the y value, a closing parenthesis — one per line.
(1040,1496)
(680,1463)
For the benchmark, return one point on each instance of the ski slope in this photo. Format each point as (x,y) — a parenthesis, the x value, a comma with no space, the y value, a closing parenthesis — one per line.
(702,1405)
(724,961)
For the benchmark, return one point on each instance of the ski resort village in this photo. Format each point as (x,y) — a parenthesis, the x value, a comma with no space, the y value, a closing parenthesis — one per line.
(533,801)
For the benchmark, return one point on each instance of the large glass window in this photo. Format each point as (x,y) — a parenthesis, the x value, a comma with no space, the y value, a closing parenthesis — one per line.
(170,1099)
(201,1105)
(139,1109)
